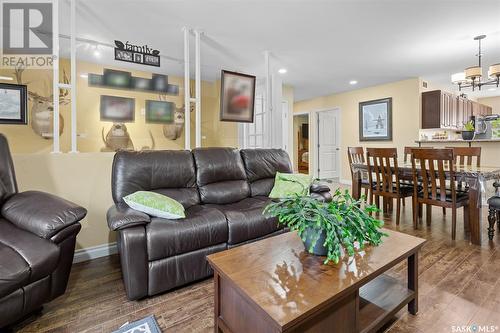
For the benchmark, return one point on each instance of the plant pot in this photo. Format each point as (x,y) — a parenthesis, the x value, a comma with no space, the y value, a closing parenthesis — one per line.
(468,135)
(319,249)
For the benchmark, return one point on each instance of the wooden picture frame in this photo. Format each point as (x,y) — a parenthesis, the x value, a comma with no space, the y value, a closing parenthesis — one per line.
(237,99)
(14,104)
(375,120)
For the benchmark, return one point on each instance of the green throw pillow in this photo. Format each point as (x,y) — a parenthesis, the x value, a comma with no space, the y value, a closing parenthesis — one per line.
(155,204)
(289,184)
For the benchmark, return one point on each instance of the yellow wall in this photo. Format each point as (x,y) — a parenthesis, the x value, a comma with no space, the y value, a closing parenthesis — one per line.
(85,178)
(89,127)
(405,116)
(21,137)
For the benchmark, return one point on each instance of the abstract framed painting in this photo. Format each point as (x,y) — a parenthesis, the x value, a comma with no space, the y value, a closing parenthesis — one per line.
(237,97)
(375,120)
(13,104)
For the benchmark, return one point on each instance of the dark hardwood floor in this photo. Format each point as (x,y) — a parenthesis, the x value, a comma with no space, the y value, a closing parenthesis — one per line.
(459,285)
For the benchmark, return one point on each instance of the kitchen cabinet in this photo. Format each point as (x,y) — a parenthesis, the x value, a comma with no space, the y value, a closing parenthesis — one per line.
(481,110)
(441,109)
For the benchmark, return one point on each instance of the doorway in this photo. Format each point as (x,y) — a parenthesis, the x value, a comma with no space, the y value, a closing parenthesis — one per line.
(301,142)
(328,147)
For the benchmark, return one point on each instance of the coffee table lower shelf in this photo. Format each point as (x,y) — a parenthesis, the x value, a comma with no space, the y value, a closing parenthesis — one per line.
(379,300)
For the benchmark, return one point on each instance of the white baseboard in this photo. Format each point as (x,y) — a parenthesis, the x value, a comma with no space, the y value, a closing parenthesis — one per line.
(94,252)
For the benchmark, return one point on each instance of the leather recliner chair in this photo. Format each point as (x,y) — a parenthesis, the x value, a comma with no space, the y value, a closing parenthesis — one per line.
(223,191)
(37,243)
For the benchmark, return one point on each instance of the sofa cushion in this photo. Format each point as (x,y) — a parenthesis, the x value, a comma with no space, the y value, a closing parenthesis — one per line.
(168,172)
(220,175)
(24,257)
(245,220)
(261,166)
(203,226)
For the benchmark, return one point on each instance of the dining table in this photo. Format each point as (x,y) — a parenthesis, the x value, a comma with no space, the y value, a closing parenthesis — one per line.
(475,178)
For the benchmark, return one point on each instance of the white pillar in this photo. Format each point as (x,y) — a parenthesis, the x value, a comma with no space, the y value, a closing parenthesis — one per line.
(55,78)
(268,101)
(74,139)
(197,89)
(187,100)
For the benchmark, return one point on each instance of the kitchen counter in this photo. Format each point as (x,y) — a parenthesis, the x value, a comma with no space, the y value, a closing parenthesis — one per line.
(469,142)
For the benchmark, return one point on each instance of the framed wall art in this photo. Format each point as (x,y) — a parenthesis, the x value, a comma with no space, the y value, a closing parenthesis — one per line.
(13,104)
(237,97)
(375,120)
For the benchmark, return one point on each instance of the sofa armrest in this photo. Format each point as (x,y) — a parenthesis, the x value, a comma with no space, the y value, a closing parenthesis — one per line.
(41,213)
(121,216)
(319,188)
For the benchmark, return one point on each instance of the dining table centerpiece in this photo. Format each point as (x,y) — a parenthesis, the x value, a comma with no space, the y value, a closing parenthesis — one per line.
(332,229)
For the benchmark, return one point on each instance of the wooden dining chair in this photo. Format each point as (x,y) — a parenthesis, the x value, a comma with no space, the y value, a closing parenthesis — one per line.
(383,173)
(407,159)
(436,171)
(356,155)
(407,154)
(465,156)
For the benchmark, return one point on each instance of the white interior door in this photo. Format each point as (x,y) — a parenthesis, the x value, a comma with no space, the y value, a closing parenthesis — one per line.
(328,144)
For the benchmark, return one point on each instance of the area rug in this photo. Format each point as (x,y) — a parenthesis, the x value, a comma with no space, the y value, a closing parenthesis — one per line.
(146,325)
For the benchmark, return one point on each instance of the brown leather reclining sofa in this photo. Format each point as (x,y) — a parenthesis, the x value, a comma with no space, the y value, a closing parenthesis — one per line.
(223,190)
(37,243)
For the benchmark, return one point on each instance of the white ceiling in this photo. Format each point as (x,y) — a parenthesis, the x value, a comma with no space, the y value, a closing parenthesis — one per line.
(323,44)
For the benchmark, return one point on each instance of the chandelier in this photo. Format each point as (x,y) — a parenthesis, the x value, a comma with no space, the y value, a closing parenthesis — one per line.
(472,77)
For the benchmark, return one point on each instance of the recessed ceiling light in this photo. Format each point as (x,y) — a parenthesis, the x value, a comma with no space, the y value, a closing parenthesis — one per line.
(353,82)
(84,76)
(7,78)
(97,54)
(282,70)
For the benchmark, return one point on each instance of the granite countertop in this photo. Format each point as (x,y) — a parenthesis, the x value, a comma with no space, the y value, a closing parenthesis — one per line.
(458,140)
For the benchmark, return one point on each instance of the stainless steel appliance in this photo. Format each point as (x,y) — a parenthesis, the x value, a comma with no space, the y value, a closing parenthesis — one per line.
(483,126)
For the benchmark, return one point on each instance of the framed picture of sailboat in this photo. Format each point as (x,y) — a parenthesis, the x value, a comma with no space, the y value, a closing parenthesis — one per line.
(375,120)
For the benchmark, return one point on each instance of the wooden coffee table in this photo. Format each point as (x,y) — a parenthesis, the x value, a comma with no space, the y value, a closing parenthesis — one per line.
(274,285)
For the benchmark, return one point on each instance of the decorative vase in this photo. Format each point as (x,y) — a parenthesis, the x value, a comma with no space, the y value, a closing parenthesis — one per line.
(468,135)
(308,236)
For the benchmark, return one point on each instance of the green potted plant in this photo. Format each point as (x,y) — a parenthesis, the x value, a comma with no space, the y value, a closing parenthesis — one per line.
(329,228)
(468,131)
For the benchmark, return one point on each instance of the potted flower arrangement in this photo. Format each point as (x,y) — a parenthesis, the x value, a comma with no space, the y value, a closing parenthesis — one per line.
(468,131)
(331,228)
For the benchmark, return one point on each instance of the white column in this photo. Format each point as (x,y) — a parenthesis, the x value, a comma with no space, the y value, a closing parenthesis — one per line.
(74,139)
(55,78)
(187,100)
(268,102)
(197,89)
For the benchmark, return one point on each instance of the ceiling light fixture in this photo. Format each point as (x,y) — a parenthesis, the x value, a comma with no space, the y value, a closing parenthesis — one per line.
(282,71)
(6,78)
(97,54)
(472,77)
(353,82)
